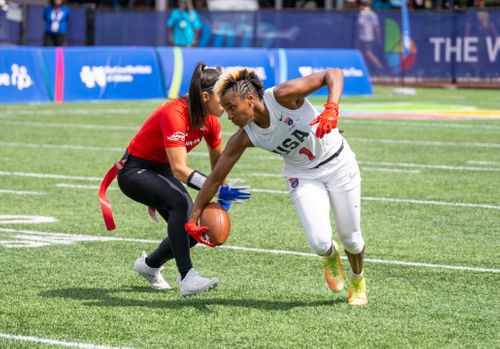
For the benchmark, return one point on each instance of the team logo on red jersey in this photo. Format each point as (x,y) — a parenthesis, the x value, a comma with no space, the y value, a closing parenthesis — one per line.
(177,136)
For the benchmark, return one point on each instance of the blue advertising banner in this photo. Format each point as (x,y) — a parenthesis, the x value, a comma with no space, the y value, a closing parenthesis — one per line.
(113,73)
(294,63)
(21,76)
(178,75)
(444,47)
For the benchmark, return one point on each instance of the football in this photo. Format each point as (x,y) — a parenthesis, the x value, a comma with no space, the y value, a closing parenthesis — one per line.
(217,220)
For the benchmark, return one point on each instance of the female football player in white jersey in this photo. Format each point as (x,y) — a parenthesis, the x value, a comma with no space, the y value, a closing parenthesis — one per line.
(319,167)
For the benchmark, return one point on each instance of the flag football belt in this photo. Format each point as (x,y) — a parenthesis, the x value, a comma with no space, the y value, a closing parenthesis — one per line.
(107,214)
(337,153)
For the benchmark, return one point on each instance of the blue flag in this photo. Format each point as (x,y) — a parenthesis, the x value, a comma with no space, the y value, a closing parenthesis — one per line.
(406,28)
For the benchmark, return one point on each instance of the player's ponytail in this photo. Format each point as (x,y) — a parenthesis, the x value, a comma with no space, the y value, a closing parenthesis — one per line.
(203,79)
(240,80)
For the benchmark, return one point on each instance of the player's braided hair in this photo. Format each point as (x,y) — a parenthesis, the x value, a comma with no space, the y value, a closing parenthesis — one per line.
(240,80)
(203,79)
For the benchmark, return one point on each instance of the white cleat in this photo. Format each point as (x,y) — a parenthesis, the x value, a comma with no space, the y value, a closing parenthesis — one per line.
(152,275)
(193,283)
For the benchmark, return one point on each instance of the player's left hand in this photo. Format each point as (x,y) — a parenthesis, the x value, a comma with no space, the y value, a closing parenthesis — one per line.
(225,204)
(327,120)
(197,233)
(230,193)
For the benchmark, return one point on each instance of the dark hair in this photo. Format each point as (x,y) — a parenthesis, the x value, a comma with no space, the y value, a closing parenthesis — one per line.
(203,79)
(242,81)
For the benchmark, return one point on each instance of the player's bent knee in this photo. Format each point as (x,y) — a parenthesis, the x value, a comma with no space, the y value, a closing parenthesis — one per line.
(320,247)
(354,244)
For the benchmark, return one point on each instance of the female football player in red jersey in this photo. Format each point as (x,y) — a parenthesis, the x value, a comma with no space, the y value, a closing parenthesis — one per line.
(319,166)
(155,166)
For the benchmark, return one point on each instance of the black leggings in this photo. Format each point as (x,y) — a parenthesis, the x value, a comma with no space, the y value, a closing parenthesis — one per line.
(154,185)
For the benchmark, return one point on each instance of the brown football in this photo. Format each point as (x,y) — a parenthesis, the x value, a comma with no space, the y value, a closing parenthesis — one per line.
(217,220)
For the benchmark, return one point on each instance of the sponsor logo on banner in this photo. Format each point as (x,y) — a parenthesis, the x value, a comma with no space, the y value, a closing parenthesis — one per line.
(18,77)
(348,72)
(103,74)
(177,136)
(260,71)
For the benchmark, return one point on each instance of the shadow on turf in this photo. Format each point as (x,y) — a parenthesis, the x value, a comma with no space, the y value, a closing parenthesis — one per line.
(111,298)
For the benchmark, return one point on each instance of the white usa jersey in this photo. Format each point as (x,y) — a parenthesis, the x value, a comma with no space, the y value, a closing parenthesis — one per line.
(290,135)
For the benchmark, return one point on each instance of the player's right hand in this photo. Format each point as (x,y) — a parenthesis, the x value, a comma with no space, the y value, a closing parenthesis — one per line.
(327,120)
(196,233)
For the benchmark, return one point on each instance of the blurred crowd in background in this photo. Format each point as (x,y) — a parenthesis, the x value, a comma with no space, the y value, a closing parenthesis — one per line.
(209,5)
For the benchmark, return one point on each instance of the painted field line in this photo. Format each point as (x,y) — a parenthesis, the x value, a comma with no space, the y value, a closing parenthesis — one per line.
(430,143)
(418,123)
(397,200)
(430,202)
(76,186)
(60,146)
(77,111)
(259,157)
(56,342)
(435,167)
(20,192)
(68,125)
(483,162)
(367,198)
(76,237)
(380,169)
(135,128)
(266,157)
(47,175)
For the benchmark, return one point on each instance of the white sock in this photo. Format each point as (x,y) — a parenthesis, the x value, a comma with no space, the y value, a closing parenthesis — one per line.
(358,276)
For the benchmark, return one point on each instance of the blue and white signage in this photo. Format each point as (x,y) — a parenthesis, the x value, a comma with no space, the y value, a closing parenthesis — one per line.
(21,77)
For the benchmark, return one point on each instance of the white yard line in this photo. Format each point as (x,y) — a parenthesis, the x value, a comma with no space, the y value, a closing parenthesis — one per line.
(269,157)
(56,342)
(398,200)
(68,125)
(59,146)
(135,128)
(20,192)
(418,123)
(483,162)
(65,238)
(435,167)
(380,169)
(427,143)
(77,111)
(76,186)
(47,175)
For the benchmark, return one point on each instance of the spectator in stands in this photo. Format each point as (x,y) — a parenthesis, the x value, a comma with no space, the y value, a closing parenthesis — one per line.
(55,16)
(183,25)
(369,35)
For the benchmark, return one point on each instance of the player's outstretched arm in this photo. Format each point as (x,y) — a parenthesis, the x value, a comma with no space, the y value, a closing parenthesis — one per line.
(229,157)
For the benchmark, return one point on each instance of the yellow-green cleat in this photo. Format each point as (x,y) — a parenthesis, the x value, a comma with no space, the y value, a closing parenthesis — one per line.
(332,267)
(357,291)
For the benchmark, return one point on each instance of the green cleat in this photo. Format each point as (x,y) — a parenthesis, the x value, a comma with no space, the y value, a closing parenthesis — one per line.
(357,291)
(332,267)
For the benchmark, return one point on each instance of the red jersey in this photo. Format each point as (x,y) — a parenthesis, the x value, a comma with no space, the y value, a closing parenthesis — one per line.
(168,127)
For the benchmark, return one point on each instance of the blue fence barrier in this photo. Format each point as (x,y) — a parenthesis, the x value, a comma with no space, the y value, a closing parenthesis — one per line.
(445,46)
(115,73)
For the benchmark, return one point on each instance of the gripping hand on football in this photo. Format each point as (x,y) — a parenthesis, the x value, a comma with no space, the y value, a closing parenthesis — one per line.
(197,233)
(327,120)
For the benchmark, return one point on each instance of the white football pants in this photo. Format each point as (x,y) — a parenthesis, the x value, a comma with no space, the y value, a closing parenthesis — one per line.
(340,190)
